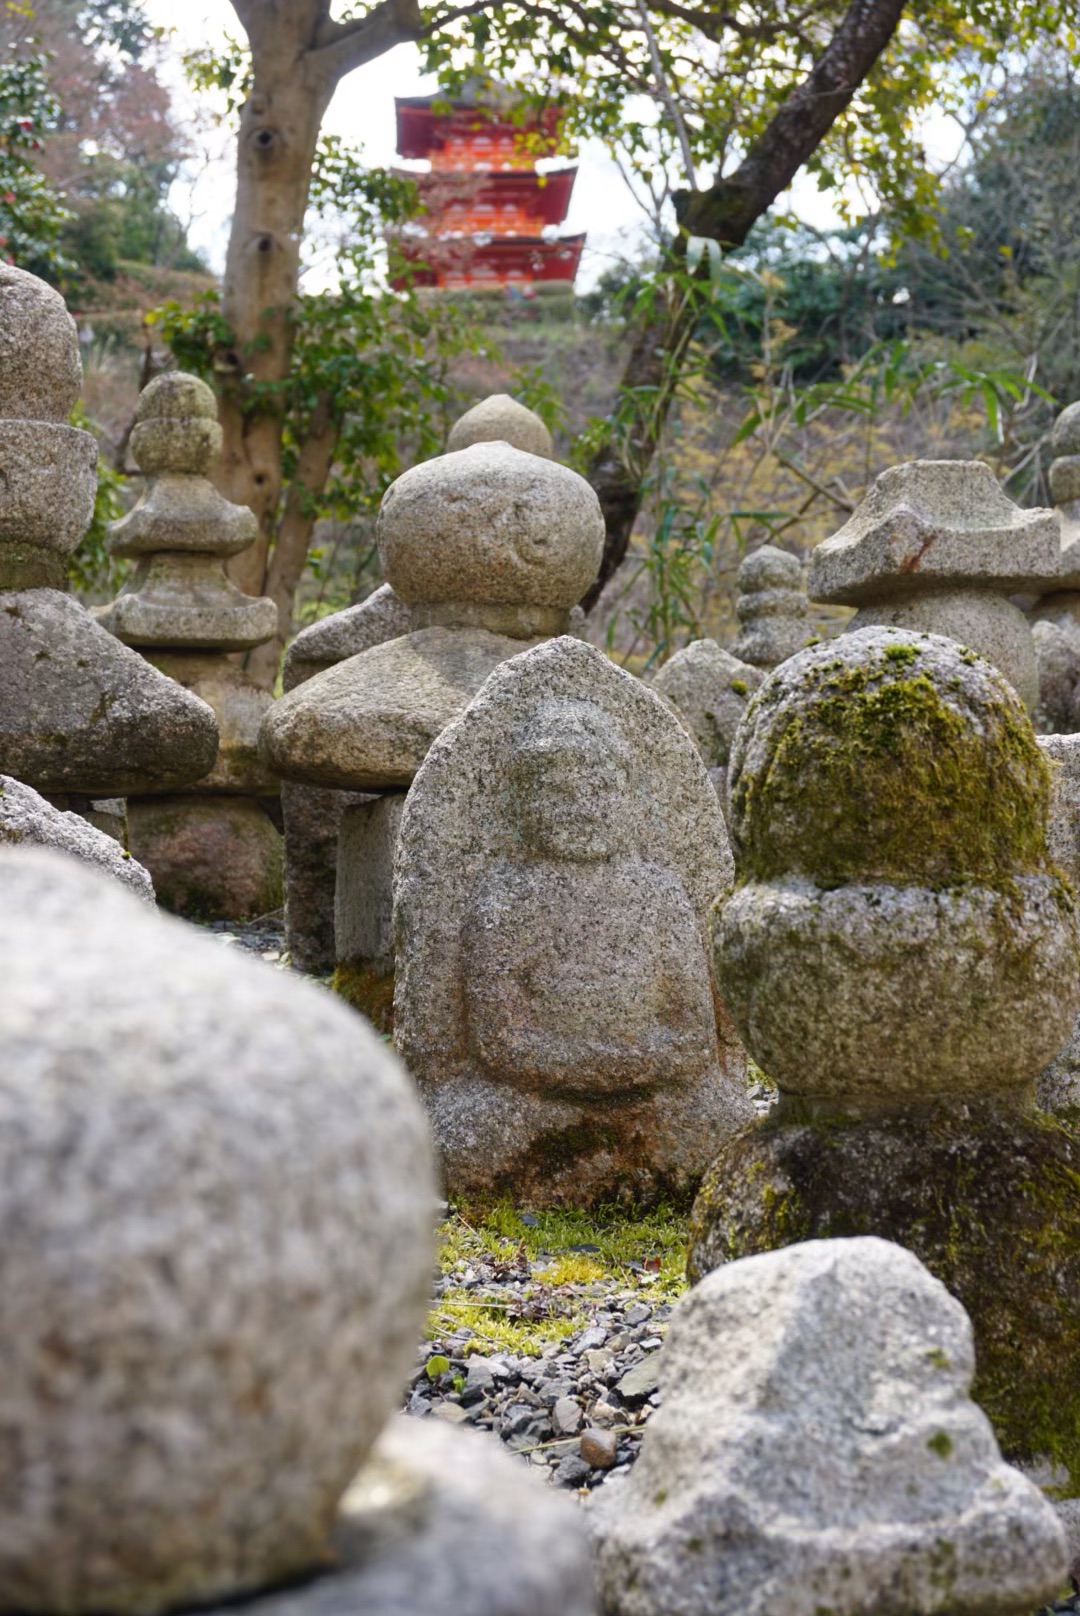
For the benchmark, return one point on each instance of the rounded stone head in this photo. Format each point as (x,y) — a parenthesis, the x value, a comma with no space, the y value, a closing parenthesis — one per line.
(770,568)
(887,756)
(501,419)
(1065,437)
(176,427)
(40,368)
(490,526)
(570,780)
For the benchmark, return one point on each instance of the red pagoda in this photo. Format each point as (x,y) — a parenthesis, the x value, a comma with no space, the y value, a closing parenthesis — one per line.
(490,219)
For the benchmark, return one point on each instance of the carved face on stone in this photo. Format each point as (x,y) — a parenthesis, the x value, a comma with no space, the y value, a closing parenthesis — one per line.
(570,783)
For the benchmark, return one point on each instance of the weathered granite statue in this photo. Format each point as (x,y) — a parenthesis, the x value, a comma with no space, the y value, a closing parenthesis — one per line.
(709,690)
(81,717)
(937,546)
(900,955)
(558,853)
(490,548)
(817,1449)
(217,1198)
(772,607)
(1055,617)
(212,851)
(312,814)
(1057,1087)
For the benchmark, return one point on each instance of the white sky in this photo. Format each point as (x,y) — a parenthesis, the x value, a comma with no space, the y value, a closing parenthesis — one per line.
(363,112)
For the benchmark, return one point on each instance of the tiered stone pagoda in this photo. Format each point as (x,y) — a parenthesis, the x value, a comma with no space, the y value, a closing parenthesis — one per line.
(491,219)
(213,851)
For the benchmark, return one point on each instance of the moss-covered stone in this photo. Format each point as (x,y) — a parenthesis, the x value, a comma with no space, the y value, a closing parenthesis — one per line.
(988,1198)
(888,757)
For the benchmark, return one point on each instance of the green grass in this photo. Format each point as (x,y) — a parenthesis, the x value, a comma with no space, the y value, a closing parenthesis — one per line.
(554,1303)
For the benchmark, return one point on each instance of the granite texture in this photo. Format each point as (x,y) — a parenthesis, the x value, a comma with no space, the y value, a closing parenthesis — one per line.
(501,419)
(382,616)
(185,602)
(83,713)
(817,1449)
(983,1194)
(889,806)
(239,706)
(490,525)
(217,1201)
(364,908)
(26,819)
(1057,1087)
(989,624)
(564,1057)
(367,723)
(443,1521)
(709,690)
(935,523)
(40,367)
(48,486)
(185,514)
(211,857)
(312,819)
(771,605)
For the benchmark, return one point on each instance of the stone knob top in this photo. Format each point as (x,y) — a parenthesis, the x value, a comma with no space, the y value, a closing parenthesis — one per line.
(1065,437)
(490,525)
(501,419)
(40,368)
(770,568)
(176,427)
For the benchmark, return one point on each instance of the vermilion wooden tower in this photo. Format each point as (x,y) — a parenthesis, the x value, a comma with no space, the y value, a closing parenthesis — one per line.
(487,208)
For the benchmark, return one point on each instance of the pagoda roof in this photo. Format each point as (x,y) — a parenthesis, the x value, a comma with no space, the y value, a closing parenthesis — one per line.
(548,195)
(526,257)
(421,129)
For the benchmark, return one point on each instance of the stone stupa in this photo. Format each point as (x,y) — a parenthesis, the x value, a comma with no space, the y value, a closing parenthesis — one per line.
(212,850)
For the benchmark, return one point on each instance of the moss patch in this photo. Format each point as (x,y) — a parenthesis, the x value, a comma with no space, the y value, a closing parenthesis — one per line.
(369,991)
(878,771)
(989,1201)
(558,1282)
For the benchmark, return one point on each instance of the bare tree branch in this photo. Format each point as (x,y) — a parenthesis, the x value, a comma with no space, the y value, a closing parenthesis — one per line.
(340,47)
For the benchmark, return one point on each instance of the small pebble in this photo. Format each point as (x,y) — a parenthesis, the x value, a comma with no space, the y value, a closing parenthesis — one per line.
(599,1449)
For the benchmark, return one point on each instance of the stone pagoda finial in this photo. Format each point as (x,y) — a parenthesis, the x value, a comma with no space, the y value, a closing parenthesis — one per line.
(771,606)
(939,547)
(182,531)
(501,419)
(81,715)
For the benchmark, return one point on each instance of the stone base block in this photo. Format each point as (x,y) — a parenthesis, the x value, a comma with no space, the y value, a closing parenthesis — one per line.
(211,858)
(987,1199)
(364,906)
(631,1148)
(312,817)
(444,1521)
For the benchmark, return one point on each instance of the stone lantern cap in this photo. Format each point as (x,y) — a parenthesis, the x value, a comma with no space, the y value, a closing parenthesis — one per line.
(933,525)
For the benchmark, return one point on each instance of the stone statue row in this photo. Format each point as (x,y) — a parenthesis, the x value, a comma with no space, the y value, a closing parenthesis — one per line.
(218,1187)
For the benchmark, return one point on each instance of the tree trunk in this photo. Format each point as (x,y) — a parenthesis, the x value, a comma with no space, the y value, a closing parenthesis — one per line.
(279,131)
(726,212)
(289,555)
